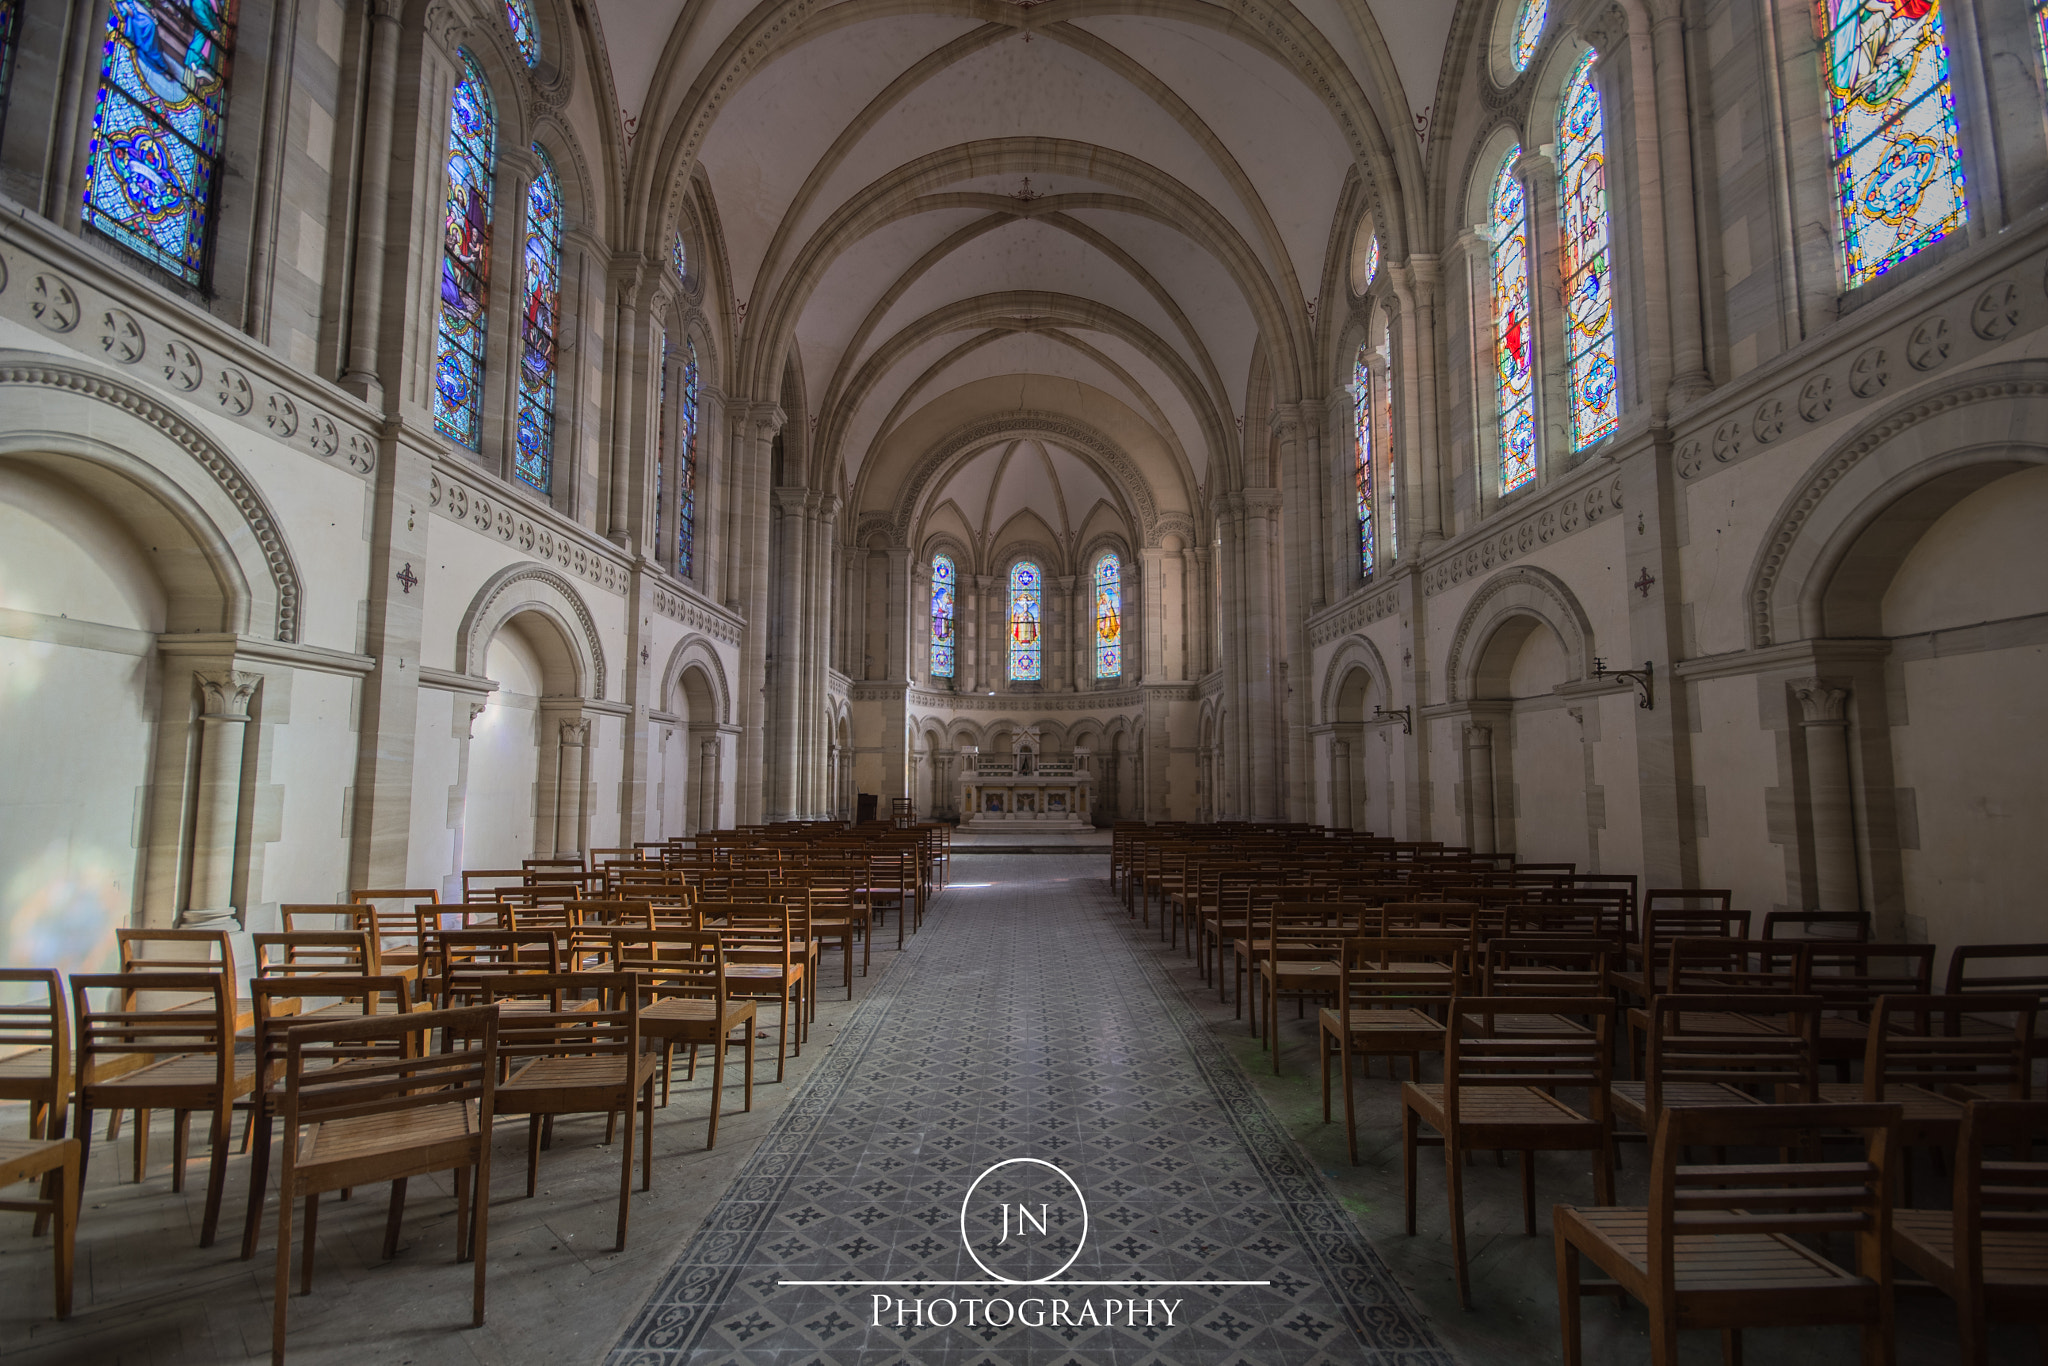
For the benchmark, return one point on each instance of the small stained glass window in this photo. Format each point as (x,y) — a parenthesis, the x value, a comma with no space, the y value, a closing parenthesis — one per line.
(1898,170)
(1372,260)
(1109,617)
(686,468)
(10,34)
(1528,32)
(1361,427)
(679,258)
(1027,595)
(465,260)
(539,327)
(525,32)
(152,172)
(943,642)
(1587,265)
(1514,337)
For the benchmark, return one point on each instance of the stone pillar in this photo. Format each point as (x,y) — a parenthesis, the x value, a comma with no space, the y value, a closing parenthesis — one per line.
(757,442)
(373,204)
(1824,720)
(1263,708)
(571,776)
(1340,785)
(784,800)
(1479,788)
(706,785)
(217,798)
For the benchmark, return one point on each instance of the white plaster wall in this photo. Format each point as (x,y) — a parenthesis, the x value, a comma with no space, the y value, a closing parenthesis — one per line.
(76,723)
(1735,761)
(312,763)
(504,761)
(435,849)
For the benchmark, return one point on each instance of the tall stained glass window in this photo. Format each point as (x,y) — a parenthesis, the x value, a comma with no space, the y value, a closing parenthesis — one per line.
(1898,172)
(679,258)
(1587,263)
(525,32)
(465,260)
(1393,495)
(686,468)
(152,173)
(943,641)
(1361,428)
(2041,22)
(10,31)
(539,327)
(1372,260)
(1528,32)
(1027,599)
(660,430)
(1109,616)
(1514,338)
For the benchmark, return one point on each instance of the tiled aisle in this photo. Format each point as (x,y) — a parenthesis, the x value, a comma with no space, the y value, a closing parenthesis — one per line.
(1028,1021)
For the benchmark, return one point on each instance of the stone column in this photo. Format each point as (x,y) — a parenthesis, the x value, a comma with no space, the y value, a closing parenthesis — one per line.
(1340,785)
(1265,717)
(761,423)
(1479,788)
(1824,720)
(791,531)
(217,798)
(373,204)
(571,776)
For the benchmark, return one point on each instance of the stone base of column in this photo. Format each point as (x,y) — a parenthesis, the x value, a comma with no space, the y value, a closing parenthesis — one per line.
(209,918)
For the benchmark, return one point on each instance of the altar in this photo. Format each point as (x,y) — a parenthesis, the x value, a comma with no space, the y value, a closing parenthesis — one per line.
(1017,791)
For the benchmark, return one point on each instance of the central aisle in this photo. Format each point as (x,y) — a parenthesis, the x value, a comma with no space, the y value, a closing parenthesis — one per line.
(1027,1021)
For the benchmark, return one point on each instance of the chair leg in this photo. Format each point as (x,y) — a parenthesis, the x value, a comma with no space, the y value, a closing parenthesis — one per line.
(1408,1122)
(85,1144)
(668,1059)
(1606,1158)
(1528,1193)
(750,1066)
(480,1216)
(626,1169)
(64,1244)
(1663,1332)
(282,1289)
(646,1136)
(141,1144)
(464,1248)
(259,1180)
(393,1218)
(1568,1300)
(1454,1188)
(532,1154)
(1731,1347)
(306,1254)
(717,1087)
(217,1169)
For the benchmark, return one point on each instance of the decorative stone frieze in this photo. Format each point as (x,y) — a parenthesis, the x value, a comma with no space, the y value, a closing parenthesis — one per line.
(697,614)
(1541,525)
(499,515)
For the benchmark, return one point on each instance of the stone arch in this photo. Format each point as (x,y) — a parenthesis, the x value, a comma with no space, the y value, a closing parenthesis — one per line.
(1120,472)
(161,473)
(524,588)
(1870,496)
(694,663)
(1525,593)
(1354,654)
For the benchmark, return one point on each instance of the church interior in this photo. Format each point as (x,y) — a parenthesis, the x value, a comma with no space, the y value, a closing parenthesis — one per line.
(973,672)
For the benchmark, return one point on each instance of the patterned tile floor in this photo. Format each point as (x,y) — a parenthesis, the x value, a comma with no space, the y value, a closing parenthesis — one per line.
(1029,1019)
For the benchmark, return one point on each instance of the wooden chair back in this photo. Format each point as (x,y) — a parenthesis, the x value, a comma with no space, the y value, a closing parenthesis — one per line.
(315,953)
(1402,972)
(673,964)
(1731,965)
(298,916)
(2005,1198)
(1853,926)
(463,958)
(135,1025)
(1852,976)
(1541,1046)
(1548,965)
(565,1025)
(181,951)
(1918,1041)
(279,1004)
(2002,969)
(35,1046)
(1691,1041)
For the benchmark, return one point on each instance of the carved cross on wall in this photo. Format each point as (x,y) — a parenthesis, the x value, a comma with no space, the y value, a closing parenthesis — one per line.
(407,577)
(1642,584)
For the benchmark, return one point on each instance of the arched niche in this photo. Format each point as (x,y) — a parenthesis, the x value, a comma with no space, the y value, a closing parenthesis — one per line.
(532,589)
(1515,601)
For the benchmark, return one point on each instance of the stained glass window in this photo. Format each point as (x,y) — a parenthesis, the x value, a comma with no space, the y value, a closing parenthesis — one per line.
(1528,32)
(679,258)
(152,172)
(540,326)
(1372,260)
(1587,264)
(660,431)
(1027,593)
(10,30)
(942,616)
(1361,428)
(1109,617)
(2041,20)
(1393,494)
(465,260)
(526,33)
(686,468)
(1514,341)
(1897,168)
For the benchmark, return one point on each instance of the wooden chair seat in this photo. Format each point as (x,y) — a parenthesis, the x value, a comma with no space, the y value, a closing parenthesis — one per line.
(1519,1109)
(1389,1031)
(1631,1098)
(55,1161)
(551,1074)
(1930,1119)
(1718,1273)
(34,1065)
(156,1085)
(437,1138)
(2013,1260)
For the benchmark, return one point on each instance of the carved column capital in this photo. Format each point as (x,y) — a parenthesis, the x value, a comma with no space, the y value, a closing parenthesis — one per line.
(575,731)
(1822,701)
(476,709)
(228,694)
(1478,737)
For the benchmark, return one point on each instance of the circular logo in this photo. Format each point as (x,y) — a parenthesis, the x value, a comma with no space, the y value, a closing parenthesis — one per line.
(1024,1221)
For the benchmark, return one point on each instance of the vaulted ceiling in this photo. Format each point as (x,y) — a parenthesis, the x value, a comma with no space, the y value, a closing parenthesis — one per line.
(930,210)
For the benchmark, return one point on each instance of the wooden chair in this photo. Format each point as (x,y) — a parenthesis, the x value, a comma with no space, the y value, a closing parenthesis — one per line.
(1303,944)
(684,999)
(372,1100)
(764,962)
(279,1005)
(395,926)
(315,953)
(1694,1057)
(1499,1092)
(54,1162)
(1853,926)
(35,1051)
(2002,969)
(577,1061)
(194,1065)
(1851,978)
(1913,1057)
(1989,1251)
(464,958)
(1387,989)
(1725,1246)
(838,916)
(299,917)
